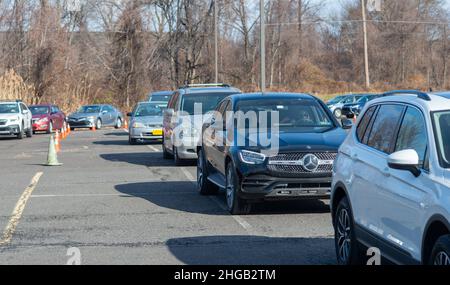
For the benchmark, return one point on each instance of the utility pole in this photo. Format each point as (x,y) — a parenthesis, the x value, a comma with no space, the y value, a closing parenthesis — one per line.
(216,40)
(263,45)
(366,52)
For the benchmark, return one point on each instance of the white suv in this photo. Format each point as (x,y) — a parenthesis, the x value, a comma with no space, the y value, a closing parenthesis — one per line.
(15,119)
(391,181)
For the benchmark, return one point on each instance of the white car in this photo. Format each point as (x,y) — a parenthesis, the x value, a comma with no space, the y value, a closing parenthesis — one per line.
(391,182)
(15,119)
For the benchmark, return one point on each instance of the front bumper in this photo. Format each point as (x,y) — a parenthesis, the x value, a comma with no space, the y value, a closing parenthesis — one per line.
(37,127)
(267,187)
(146,133)
(9,130)
(81,124)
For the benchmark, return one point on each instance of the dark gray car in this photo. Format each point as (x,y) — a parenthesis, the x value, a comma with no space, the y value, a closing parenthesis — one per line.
(97,116)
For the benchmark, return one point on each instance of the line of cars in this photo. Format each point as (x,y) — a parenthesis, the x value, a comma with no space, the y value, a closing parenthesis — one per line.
(18,119)
(388,177)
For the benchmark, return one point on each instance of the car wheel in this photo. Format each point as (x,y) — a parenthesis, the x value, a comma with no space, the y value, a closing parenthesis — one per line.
(20,135)
(236,205)
(347,248)
(29,132)
(204,186)
(176,158)
(50,128)
(98,124)
(118,123)
(440,255)
(338,113)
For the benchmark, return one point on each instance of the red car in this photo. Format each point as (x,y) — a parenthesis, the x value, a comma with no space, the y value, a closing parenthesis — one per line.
(47,118)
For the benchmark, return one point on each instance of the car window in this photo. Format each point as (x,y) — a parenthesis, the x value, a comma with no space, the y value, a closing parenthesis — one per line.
(413,133)
(24,108)
(364,123)
(39,110)
(205,101)
(384,127)
(9,108)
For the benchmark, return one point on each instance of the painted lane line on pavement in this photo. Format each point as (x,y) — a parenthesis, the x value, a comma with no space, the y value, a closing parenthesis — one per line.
(154,149)
(18,210)
(243,223)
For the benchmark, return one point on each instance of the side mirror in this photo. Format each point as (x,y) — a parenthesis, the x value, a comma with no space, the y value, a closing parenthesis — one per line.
(104,112)
(407,160)
(130,114)
(347,124)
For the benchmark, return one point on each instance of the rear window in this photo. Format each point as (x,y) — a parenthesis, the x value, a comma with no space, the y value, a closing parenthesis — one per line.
(206,102)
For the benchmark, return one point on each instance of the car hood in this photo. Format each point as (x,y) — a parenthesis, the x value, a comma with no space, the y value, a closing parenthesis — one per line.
(149,120)
(82,115)
(328,141)
(9,116)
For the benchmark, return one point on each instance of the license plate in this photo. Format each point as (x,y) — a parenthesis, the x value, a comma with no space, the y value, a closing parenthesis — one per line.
(158,133)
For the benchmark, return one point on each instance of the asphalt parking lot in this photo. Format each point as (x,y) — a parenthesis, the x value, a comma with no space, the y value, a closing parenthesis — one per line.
(122,204)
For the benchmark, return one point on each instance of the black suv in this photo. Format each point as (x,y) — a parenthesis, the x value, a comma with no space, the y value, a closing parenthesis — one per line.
(235,155)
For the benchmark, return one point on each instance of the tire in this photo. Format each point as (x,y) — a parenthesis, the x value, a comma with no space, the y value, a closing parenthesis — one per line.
(20,135)
(236,205)
(440,255)
(72,129)
(29,132)
(118,123)
(166,154)
(204,186)
(176,158)
(348,251)
(98,124)
(50,128)
(132,141)
(337,113)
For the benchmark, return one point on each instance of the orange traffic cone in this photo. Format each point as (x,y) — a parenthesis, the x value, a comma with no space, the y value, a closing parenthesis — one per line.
(68,129)
(125,125)
(57,142)
(63,132)
(93,128)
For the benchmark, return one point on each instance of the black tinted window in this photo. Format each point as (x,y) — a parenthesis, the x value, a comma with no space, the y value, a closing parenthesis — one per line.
(362,127)
(384,127)
(413,133)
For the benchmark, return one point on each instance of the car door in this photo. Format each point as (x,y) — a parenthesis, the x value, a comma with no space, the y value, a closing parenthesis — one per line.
(26,113)
(221,137)
(168,123)
(404,200)
(105,116)
(215,137)
(55,118)
(369,158)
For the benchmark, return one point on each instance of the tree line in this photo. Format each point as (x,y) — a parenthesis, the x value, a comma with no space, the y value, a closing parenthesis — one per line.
(117,51)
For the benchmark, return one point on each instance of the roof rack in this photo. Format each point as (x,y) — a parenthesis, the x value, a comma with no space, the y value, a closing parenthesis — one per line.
(420,94)
(206,85)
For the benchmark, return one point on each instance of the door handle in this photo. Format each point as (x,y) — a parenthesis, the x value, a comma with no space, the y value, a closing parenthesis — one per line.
(355,156)
(386,172)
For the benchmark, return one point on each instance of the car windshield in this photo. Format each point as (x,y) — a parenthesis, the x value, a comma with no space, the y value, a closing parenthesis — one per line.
(89,109)
(442,123)
(206,102)
(39,110)
(144,110)
(295,115)
(336,100)
(160,98)
(9,108)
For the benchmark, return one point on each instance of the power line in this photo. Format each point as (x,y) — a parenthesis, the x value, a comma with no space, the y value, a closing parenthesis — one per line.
(357,21)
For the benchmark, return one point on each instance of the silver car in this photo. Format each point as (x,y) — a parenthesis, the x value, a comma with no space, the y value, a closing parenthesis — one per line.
(146,122)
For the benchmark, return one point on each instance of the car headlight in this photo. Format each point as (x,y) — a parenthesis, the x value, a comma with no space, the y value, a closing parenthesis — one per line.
(138,125)
(251,157)
(91,119)
(13,120)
